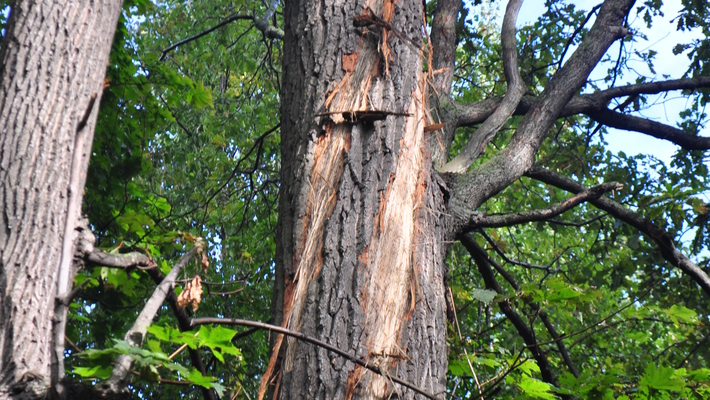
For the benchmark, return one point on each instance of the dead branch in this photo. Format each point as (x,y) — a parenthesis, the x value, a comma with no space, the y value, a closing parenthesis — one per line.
(136,334)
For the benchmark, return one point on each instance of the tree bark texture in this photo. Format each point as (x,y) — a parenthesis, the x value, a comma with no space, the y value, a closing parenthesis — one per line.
(54,58)
(361,238)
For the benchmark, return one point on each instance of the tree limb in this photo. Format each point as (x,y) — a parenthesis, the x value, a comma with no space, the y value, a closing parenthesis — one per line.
(514,93)
(298,335)
(124,261)
(135,335)
(652,128)
(659,235)
(471,189)
(496,221)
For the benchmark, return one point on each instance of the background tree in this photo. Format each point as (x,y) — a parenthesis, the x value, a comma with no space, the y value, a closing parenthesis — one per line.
(451,219)
(51,76)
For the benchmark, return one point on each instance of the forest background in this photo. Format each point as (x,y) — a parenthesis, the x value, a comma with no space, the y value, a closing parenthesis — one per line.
(186,153)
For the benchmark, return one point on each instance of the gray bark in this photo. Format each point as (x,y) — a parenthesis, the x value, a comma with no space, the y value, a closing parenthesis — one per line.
(375,267)
(53,61)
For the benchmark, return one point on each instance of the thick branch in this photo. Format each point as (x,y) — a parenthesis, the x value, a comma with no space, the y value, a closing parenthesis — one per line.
(497,221)
(514,93)
(298,335)
(659,235)
(473,188)
(595,106)
(652,128)
(484,267)
(135,335)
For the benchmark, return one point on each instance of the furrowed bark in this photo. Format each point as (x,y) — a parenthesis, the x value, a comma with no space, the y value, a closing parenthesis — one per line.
(50,87)
(360,244)
(659,235)
(479,184)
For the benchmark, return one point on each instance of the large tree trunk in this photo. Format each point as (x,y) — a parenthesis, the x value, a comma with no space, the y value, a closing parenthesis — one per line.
(53,61)
(361,240)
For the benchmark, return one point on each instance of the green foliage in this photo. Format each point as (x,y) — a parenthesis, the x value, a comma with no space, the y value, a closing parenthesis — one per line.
(189,148)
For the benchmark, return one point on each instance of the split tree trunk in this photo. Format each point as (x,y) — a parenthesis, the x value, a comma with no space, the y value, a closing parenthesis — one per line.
(52,61)
(361,238)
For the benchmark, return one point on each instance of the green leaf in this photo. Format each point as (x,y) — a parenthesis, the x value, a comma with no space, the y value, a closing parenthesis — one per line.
(200,96)
(97,371)
(535,388)
(661,378)
(219,340)
(205,381)
(679,312)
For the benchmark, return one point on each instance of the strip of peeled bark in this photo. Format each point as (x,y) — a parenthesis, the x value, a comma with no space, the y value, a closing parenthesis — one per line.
(53,62)
(360,240)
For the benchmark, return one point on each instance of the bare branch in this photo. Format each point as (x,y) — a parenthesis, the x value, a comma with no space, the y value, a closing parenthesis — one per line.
(653,88)
(135,335)
(298,335)
(476,186)
(659,235)
(595,106)
(496,221)
(508,260)
(230,19)
(514,93)
(652,128)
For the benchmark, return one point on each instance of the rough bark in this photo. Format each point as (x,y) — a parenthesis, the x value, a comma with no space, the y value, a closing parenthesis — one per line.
(360,257)
(53,62)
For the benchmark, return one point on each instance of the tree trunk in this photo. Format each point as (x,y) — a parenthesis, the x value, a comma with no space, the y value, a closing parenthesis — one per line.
(361,238)
(54,58)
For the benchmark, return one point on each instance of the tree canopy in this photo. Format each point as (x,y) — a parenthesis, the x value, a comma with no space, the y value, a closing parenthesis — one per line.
(585,278)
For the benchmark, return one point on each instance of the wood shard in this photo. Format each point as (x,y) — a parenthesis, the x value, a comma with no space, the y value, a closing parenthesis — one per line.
(434,127)
(349,61)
